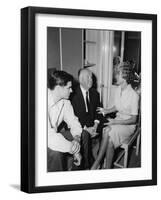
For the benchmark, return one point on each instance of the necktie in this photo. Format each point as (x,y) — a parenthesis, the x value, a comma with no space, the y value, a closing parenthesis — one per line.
(87,101)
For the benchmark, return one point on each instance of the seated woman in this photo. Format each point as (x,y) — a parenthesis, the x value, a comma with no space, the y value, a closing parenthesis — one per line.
(123,126)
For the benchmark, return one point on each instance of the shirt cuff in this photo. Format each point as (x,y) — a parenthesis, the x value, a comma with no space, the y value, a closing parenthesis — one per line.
(77,138)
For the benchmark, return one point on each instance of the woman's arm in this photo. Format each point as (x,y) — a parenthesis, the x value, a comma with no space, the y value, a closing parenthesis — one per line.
(130,121)
(105,111)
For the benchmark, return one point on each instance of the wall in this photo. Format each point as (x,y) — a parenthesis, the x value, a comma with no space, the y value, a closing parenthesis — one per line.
(72,58)
(72,49)
(133,48)
(53,48)
(10,100)
(117,43)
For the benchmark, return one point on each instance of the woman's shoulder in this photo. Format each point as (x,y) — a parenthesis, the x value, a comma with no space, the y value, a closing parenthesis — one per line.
(134,93)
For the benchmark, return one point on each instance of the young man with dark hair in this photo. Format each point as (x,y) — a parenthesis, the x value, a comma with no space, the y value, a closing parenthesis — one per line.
(59,110)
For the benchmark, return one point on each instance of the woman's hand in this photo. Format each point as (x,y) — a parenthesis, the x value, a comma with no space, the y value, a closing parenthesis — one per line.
(101,110)
(110,122)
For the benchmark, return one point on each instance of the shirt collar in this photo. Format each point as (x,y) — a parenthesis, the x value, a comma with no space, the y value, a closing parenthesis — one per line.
(51,100)
(83,91)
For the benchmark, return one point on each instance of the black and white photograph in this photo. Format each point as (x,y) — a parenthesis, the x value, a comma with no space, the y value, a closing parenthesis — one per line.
(80,100)
(89,91)
(94,94)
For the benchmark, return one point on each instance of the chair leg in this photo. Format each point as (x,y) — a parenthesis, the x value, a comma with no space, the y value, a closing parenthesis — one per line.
(138,144)
(126,157)
(116,163)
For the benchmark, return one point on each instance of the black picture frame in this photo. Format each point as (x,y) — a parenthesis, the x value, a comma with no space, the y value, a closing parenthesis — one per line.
(28,98)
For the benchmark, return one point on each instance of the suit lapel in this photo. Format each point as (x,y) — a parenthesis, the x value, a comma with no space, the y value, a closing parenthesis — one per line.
(91,103)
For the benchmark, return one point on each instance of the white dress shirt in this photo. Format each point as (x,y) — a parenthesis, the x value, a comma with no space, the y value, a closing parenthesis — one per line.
(58,112)
(84,96)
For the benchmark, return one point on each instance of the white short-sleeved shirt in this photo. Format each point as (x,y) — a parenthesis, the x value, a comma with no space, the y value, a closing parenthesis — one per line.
(126,102)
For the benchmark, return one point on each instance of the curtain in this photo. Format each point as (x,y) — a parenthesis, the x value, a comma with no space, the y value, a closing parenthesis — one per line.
(100,52)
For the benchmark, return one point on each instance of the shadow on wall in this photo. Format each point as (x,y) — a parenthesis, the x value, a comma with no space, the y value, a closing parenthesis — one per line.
(94,81)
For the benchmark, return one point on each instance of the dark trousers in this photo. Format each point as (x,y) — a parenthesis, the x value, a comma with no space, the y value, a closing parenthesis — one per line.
(55,161)
(58,161)
(86,150)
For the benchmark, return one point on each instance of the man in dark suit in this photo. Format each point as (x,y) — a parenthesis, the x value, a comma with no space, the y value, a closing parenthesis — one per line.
(85,101)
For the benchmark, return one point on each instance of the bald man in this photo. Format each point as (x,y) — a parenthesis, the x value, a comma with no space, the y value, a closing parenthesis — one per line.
(85,101)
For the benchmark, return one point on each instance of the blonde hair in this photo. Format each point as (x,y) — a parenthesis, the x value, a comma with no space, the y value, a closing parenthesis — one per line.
(127,72)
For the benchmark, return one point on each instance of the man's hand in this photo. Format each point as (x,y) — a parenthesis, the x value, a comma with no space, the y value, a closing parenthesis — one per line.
(77,138)
(77,159)
(75,148)
(92,131)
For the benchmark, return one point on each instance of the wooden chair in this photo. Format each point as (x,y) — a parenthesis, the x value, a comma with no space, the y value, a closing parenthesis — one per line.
(130,143)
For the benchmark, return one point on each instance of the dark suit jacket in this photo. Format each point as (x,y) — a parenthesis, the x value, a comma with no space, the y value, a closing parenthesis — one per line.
(78,103)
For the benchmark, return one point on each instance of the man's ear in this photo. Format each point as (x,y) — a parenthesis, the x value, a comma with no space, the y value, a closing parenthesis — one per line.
(58,87)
